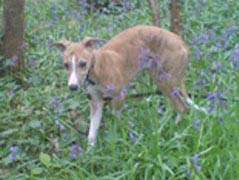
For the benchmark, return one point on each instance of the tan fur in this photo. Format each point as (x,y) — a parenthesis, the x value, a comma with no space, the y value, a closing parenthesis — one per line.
(122,67)
(116,63)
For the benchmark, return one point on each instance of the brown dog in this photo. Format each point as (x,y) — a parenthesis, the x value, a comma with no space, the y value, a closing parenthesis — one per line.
(106,71)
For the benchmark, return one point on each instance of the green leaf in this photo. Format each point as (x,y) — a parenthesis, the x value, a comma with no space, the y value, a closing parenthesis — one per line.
(35,124)
(8,132)
(36,171)
(45,159)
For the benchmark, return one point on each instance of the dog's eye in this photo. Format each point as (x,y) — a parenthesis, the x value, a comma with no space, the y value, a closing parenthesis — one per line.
(82,64)
(66,65)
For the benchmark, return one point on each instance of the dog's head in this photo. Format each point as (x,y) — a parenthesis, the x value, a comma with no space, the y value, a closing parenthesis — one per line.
(78,58)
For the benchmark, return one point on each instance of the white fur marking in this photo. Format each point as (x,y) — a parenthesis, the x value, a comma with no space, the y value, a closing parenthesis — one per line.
(73,77)
(190,102)
(95,122)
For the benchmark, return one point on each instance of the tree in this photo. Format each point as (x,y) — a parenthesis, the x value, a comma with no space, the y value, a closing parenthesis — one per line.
(155,12)
(13,45)
(175,17)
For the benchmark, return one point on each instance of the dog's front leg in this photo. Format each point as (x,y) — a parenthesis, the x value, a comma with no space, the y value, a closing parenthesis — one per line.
(96,106)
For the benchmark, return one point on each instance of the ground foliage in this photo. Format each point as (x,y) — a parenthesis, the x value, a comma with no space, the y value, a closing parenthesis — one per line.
(43,126)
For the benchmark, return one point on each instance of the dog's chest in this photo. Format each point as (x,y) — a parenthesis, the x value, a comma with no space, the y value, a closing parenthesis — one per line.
(97,91)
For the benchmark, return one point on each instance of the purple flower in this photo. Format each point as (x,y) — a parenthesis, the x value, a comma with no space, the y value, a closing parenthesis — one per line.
(229,31)
(53,14)
(216,100)
(197,124)
(59,125)
(62,127)
(200,82)
(198,53)
(121,95)
(23,45)
(164,75)
(14,149)
(84,4)
(73,155)
(202,38)
(11,93)
(12,156)
(110,28)
(132,137)
(213,95)
(219,44)
(143,56)
(197,167)
(56,104)
(75,151)
(194,161)
(216,66)
(14,59)
(175,92)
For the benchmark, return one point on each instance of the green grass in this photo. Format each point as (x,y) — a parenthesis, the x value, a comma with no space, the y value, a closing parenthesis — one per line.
(142,144)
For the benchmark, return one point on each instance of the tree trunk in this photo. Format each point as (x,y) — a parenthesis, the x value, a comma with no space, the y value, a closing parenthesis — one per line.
(155,12)
(175,17)
(12,45)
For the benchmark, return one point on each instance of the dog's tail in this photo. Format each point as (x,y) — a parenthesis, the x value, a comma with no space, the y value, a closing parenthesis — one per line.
(189,100)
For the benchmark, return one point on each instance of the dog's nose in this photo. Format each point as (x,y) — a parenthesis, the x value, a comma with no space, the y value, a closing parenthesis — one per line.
(73,87)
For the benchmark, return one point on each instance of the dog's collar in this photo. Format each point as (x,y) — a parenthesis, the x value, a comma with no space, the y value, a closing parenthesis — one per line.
(88,79)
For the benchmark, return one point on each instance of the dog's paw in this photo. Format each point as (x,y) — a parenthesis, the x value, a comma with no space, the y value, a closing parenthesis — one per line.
(90,148)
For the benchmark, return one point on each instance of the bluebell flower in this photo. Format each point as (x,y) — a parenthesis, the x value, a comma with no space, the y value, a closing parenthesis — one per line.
(14,59)
(175,92)
(62,127)
(56,104)
(59,125)
(144,54)
(14,149)
(164,75)
(216,100)
(194,161)
(197,167)
(197,124)
(121,95)
(12,156)
(12,92)
(132,137)
(23,45)
(75,151)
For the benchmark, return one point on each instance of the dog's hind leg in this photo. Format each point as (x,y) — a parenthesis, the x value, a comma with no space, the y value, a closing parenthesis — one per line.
(177,100)
(117,104)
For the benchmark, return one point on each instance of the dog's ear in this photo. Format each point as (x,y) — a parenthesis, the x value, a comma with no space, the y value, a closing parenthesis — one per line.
(90,42)
(61,44)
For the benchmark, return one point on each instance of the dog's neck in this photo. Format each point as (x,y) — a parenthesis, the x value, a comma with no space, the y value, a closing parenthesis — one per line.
(90,79)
